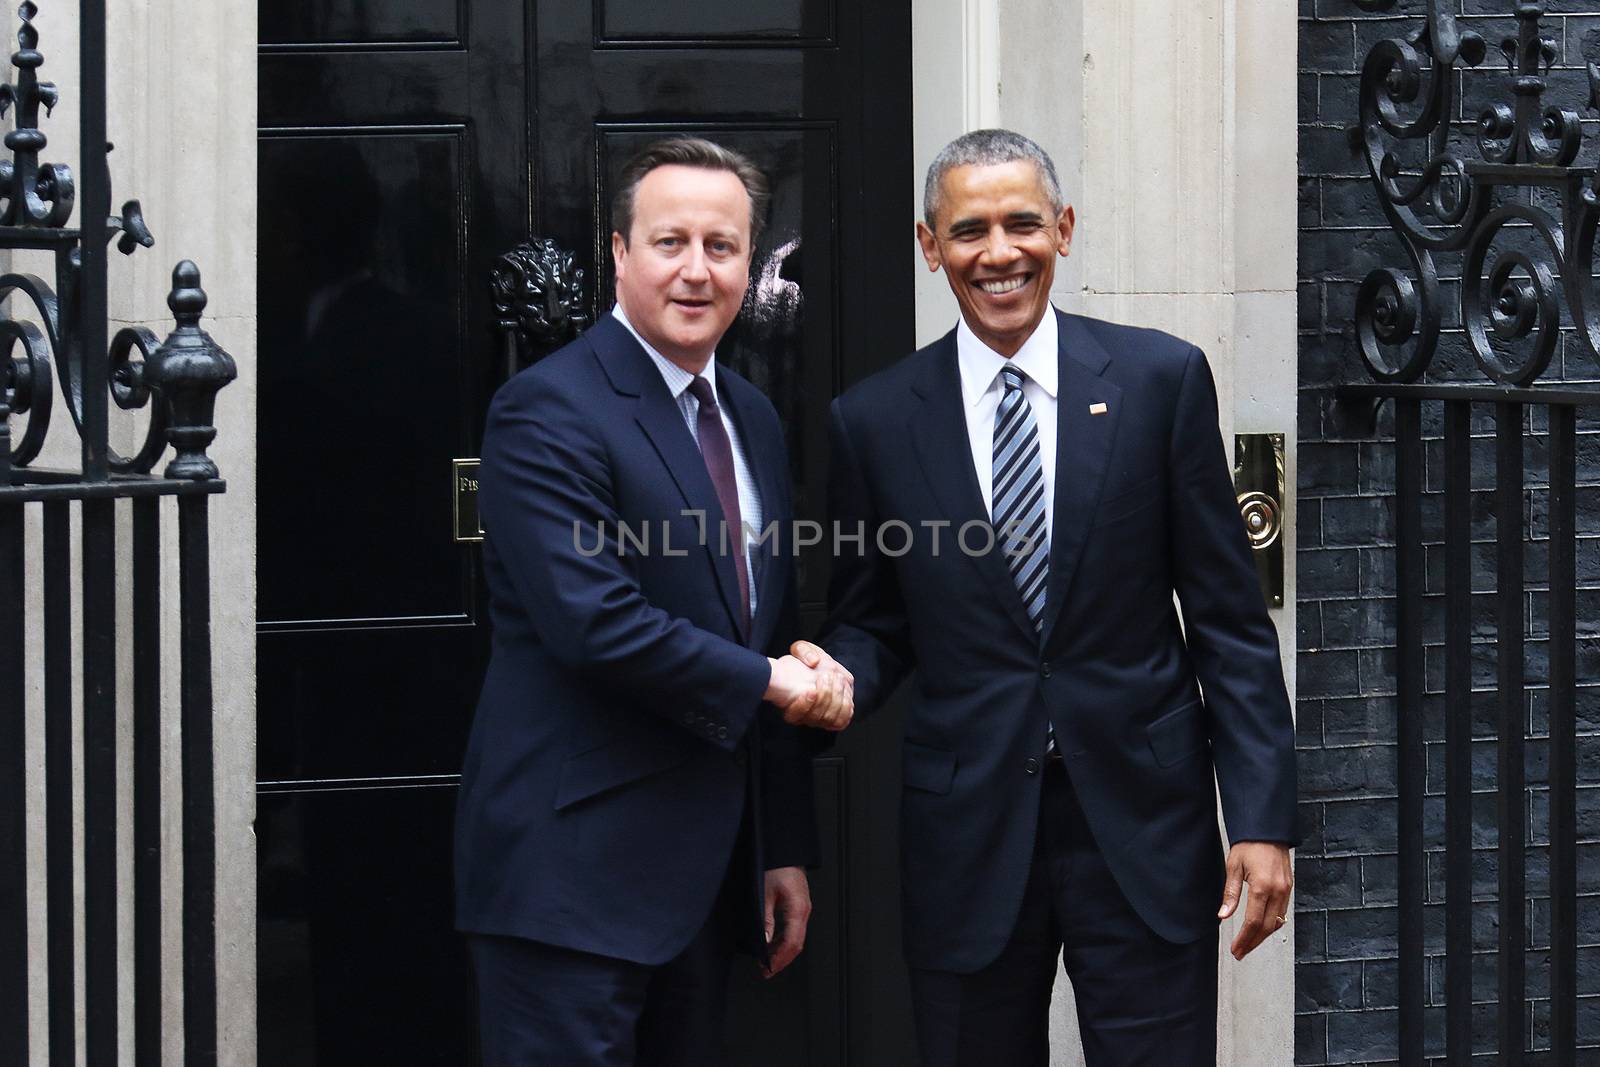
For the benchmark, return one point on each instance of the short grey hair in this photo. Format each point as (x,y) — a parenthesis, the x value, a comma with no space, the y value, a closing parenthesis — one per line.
(987,148)
(688,152)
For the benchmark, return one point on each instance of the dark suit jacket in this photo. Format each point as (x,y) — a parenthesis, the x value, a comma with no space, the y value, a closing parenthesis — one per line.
(1144,509)
(608,767)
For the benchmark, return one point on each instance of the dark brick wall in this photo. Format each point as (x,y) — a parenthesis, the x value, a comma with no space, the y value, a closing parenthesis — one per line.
(1347,929)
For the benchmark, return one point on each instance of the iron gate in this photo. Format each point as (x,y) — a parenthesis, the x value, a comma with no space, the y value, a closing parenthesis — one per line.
(177,381)
(1522,216)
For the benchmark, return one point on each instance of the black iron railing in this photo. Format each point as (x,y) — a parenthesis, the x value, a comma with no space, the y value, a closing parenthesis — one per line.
(1519,219)
(176,381)
(1511,407)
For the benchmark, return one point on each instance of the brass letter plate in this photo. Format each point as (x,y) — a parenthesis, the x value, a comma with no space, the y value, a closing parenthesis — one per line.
(1259,478)
(464,497)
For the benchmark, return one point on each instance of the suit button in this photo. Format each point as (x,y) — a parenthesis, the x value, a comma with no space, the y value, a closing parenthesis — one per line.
(1044,670)
(689,717)
(1031,764)
(722,733)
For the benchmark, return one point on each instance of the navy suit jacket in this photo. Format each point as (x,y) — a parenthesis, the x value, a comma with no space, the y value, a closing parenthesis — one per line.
(1144,708)
(620,740)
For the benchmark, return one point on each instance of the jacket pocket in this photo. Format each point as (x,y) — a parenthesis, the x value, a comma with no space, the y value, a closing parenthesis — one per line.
(614,764)
(1178,734)
(930,769)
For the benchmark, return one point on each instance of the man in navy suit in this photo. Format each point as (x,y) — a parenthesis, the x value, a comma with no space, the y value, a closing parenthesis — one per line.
(1064,479)
(633,804)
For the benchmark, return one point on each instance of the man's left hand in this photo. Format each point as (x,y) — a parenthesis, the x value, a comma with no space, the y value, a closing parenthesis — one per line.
(787,892)
(1265,867)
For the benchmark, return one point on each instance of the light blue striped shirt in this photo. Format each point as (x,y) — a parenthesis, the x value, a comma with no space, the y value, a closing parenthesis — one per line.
(678,380)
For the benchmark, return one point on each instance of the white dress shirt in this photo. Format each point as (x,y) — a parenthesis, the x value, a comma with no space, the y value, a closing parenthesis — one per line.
(678,381)
(982,387)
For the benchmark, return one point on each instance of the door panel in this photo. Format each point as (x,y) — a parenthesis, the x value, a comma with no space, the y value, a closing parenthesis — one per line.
(404,147)
(355,22)
(358,964)
(681,21)
(348,705)
(365,321)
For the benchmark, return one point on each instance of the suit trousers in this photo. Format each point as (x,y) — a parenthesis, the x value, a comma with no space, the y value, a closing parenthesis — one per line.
(1141,1000)
(540,1005)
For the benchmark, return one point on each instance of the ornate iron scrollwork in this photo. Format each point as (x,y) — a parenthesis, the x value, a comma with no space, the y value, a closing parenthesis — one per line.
(1396,75)
(130,388)
(32,194)
(38,199)
(25,388)
(28,375)
(1511,298)
(538,300)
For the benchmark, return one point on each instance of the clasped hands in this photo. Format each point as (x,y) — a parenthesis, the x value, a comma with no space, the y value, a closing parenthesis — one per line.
(812,688)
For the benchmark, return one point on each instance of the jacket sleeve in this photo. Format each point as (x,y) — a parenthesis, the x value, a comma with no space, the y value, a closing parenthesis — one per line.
(545,476)
(867,629)
(1231,639)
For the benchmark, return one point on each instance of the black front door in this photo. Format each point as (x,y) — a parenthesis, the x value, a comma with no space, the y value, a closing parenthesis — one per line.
(404,147)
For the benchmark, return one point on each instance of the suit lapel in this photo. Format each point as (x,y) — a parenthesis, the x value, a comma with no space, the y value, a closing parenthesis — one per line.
(1083,447)
(765,456)
(938,429)
(632,374)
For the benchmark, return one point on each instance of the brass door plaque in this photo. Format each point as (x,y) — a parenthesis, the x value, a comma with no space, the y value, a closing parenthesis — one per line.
(1260,480)
(464,498)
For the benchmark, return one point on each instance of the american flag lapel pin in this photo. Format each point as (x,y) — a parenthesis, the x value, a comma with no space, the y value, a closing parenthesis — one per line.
(1097,408)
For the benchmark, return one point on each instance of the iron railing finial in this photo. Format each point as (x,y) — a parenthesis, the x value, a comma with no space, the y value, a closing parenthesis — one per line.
(187,371)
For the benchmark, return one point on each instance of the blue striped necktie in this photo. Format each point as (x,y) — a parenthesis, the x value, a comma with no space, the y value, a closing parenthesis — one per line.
(1018,495)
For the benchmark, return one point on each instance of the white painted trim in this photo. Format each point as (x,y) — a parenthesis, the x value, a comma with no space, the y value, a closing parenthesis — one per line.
(980,25)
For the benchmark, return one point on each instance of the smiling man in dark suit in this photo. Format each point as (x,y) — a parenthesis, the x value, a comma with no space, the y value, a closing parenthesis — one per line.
(1066,478)
(633,804)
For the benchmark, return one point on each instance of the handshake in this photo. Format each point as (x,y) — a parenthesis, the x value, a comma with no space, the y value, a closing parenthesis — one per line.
(812,688)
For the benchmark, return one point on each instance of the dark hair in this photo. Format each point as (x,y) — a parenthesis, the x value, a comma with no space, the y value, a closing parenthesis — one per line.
(688,152)
(987,148)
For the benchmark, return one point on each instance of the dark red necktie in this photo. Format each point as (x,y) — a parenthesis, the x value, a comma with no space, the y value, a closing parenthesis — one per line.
(718,453)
